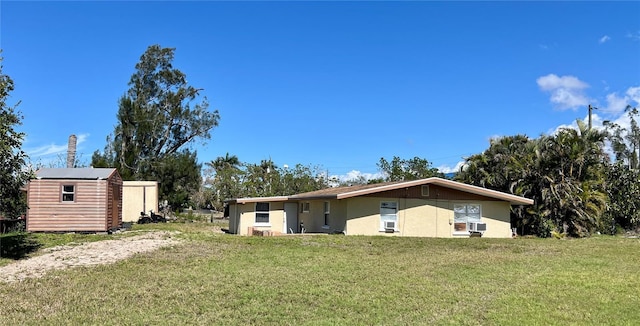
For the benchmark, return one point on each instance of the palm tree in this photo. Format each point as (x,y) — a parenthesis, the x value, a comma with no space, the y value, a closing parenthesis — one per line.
(562,173)
(224,162)
(226,180)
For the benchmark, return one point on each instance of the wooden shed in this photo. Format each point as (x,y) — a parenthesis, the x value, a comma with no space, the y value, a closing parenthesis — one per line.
(74,200)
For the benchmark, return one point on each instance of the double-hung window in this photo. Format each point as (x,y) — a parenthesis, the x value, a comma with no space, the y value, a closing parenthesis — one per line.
(262,213)
(68,193)
(463,215)
(326,213)
(389,216)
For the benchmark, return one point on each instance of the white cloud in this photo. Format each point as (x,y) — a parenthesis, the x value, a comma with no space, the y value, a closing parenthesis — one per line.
(616,104)
(567,92)
(447,169)
(633,93)
(46,150)
(634,35)
(54,149)
(596,123)
(604,39)
(82,138)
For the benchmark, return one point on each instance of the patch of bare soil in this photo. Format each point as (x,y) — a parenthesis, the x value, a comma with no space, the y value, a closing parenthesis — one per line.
(87,254)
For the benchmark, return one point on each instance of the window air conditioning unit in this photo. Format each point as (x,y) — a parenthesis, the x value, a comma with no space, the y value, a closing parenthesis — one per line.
(390,225)
(477,227)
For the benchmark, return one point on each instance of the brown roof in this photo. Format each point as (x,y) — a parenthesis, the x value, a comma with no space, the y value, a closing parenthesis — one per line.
(332,193)
(360,190)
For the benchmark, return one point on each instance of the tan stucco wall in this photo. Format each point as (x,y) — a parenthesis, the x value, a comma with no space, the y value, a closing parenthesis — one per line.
(361,216)
(245,214)
(314,219)
(422,218)
(138,196)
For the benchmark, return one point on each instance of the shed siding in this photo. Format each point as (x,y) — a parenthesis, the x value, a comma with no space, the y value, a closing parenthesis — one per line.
(97,205)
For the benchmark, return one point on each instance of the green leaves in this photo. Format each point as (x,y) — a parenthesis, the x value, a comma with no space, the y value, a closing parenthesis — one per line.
(13,172)
(158,117)
(563,173)
(407,169)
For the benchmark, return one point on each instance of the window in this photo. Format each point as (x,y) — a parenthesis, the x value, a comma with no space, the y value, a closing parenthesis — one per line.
(262,213)
(388,216)
(326,213)
(463,214)
(305,207)
(425,191)
(68,193)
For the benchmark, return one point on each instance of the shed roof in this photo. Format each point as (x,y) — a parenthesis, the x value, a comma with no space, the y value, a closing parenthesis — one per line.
(75,173)
(360,190)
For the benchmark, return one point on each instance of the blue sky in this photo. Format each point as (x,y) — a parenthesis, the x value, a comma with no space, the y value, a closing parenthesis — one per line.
(333,84)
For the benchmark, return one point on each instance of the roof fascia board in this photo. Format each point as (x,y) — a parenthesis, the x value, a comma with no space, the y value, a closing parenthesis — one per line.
(258,200)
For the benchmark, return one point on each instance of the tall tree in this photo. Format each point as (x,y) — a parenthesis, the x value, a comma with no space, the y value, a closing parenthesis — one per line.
(563,173)
(625,143)
(623,190)
(179,175)
(224,178)
(407,169)
(224,162)
(623,176)
(158,117)
(13,171)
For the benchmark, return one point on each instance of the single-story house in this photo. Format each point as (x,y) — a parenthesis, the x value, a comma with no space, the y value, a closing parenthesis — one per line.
(74,200)
(432,207)
(138,197)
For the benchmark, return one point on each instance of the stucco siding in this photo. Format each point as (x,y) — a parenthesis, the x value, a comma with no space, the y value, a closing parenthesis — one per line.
(245,215)
(497,215)
(363,216)
(423,218)
(314,219)
(338,215)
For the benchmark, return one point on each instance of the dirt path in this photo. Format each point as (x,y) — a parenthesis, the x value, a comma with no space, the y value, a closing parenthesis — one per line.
(87,254)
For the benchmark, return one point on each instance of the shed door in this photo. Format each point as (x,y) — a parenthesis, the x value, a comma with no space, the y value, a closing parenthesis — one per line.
(115,206)
(290,217)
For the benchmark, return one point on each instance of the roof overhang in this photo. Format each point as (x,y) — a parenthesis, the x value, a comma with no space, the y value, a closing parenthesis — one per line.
(512,199)
(256,200)
(338,194)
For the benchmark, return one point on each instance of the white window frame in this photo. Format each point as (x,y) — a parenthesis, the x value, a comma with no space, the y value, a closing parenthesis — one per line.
(64,192)
(466,216)
(424,190)
(385,216)
(267,212)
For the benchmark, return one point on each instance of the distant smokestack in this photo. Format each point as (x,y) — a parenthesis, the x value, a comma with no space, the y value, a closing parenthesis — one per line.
(71,151)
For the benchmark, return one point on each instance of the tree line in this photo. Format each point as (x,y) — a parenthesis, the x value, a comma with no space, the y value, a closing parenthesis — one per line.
(577,188)
(583,180)
(226,177)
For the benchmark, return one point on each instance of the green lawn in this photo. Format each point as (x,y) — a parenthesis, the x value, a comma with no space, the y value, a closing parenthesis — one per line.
(343,280)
